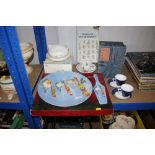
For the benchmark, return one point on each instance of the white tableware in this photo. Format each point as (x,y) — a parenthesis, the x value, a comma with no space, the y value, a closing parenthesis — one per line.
(26,47)
(127,90)
(27,54)
(58,53)
(120,77)
(124,92)
(117,81)
(27,50)
(117,92)
(86,68)
(7,85)
(113,83)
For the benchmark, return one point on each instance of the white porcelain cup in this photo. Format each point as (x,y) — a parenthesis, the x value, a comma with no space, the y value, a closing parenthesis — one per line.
(127,90)
(120,79)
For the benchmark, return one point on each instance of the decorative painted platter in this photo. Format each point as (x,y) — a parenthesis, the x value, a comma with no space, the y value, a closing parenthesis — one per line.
(64,88)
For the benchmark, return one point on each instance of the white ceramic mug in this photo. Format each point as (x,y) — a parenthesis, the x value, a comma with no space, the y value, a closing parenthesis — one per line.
(120,79)
(127,90)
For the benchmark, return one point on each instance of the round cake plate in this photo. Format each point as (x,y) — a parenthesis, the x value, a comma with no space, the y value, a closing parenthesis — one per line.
(63,99)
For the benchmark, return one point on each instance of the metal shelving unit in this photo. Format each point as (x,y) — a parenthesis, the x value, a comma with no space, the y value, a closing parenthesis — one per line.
(12,54)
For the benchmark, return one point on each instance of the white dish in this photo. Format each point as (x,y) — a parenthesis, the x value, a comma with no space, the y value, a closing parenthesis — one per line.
(113,84)
(58,52)
(120,77)
(127,87)
(91,69)
(7,85)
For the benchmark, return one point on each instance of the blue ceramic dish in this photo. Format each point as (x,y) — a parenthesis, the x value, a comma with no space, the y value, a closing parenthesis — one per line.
(63,99)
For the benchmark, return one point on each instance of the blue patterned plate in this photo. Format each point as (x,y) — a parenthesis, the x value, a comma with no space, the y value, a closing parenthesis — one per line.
(64,99)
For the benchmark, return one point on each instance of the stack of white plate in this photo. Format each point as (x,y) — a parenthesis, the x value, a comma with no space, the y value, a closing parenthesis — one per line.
(58,58)
(57,53)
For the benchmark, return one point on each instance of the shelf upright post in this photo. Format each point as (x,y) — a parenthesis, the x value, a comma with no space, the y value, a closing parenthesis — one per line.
(40,38)
(14,60)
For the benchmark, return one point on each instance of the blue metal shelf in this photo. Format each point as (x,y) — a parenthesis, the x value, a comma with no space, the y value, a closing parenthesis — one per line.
(12,54)
(40,38)
(134,106)
(11,105)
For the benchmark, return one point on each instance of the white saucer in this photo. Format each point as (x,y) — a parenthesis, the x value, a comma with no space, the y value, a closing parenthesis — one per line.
(91,69)
(119,95)
(114,84)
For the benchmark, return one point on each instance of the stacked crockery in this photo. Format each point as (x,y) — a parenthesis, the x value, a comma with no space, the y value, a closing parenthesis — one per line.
(7,85)
(6,82)
(58,53)
(3,67)
(27,53)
